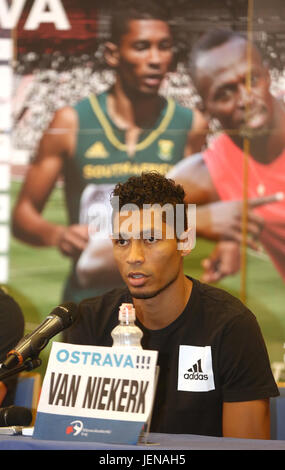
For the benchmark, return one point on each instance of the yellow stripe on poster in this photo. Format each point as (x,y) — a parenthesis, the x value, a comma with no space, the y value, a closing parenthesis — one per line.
(141,145)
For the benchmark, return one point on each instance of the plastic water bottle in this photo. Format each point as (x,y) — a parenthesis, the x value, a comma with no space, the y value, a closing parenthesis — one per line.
(126,333)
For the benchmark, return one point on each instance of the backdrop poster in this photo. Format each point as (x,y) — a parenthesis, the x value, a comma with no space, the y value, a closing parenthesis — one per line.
(52,56)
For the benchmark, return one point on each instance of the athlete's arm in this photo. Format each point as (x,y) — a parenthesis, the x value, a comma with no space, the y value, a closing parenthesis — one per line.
(97,267)
(196,138)
(224,261)
(216,219)
(193,174)
(56,146)
(247,420)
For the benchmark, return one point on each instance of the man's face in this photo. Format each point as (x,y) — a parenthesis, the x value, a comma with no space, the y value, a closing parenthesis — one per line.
(148,265)
(223,81)
(145,55)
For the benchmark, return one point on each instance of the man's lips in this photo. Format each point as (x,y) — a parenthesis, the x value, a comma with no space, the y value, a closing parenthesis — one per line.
(137,279)
(255,119)
(153,80)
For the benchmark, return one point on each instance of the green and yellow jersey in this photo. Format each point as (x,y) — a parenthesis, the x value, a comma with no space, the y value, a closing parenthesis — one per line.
(101,159)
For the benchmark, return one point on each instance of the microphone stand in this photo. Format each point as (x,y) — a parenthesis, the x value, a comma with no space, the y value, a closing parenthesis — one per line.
(28,365)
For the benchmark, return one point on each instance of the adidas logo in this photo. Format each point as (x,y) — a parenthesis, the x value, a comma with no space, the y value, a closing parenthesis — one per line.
(97,150)
(195,369)
(195,372)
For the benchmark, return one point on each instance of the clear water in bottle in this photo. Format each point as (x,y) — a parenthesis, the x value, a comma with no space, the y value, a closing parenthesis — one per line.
(127,333)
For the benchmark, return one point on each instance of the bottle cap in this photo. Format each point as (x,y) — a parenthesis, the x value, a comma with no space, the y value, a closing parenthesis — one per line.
(127,313)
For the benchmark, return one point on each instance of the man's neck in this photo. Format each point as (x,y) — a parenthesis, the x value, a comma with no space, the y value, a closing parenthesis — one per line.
(160,311)
(132,113)
(130,110)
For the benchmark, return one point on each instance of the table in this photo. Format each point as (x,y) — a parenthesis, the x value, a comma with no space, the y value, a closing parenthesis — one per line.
(156,442)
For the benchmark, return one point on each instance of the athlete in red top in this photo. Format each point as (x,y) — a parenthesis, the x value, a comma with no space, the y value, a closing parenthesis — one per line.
(214,179)
(227,176)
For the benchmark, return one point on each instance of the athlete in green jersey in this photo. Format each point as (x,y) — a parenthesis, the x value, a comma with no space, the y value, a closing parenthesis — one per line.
(102,159)
(105,139)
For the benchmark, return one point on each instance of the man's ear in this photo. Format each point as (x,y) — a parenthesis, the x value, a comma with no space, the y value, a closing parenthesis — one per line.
(186,241)
(267,73)
(202,108)
(111,54)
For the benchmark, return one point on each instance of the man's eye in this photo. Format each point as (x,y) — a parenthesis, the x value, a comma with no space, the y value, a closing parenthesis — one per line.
(225,93)
(151,240)
(141,45)
(165,45)
(121,242)
(254,79)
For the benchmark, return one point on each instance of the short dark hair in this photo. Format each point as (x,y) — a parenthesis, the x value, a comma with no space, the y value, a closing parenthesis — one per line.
(213,38)
(149,188)
(134,10)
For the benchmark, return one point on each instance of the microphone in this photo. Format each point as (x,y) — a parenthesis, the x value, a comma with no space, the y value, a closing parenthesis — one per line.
(15,416)
(29,347)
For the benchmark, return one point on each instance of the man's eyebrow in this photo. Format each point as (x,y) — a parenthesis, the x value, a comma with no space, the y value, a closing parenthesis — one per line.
(147,41)
(142,234)
(123,235)
(228,84)
(150,233)
(140,42)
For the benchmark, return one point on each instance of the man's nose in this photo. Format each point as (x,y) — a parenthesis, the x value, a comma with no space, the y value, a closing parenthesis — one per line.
(154,56)
(245,96)
(136,252)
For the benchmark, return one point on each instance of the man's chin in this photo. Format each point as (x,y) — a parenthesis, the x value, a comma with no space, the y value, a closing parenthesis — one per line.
(253,132)
(136,294)
(145,90)
(255,126)
(140,293)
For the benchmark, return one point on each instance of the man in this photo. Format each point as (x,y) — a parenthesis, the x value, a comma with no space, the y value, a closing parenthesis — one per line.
(215,377)
(105,139)
(11,331)
(233,83)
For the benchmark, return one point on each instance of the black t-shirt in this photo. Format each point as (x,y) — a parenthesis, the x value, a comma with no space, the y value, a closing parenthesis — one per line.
(212,353)
(11,331)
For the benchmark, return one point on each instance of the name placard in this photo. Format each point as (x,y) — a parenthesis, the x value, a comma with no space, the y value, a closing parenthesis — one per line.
(95,393)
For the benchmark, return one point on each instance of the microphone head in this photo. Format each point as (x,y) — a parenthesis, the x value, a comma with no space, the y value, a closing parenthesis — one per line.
(60,318)
(15,416)
(67,312)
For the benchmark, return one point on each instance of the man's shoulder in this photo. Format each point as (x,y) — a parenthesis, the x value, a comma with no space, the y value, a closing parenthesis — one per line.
(181,108)
(183,116)
(220,143)
(86,100)
(108,301)
(65,116)
(9,307)
(97,317)
(223,305)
